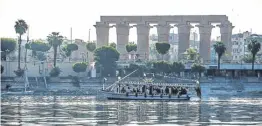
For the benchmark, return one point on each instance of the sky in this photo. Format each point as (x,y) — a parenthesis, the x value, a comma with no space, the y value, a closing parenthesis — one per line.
(46,16)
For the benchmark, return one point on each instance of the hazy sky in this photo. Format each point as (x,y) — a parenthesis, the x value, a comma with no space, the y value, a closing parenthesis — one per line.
(46,16)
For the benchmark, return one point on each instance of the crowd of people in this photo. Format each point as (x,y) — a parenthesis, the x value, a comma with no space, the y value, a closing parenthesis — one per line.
(152,90)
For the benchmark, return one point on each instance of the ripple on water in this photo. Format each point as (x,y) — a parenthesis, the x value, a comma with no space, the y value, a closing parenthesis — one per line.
(82,110)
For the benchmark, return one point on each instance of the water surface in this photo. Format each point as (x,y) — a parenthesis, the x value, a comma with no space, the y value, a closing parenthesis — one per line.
(88,110)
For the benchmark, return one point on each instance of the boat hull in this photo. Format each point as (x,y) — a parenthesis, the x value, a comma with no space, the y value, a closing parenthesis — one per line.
(149,97)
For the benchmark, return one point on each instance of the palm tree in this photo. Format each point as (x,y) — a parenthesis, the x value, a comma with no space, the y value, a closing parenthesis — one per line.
(20,28)
(55,40)
(220,49)
(254,46)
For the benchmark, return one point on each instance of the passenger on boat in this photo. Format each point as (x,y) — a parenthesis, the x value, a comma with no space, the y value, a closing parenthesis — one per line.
(123,90)
(147,91)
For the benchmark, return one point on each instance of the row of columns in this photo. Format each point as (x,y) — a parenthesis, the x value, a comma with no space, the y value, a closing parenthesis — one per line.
(163,30)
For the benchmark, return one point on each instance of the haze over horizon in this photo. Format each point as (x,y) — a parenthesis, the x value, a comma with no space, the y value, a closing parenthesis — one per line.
(46,16)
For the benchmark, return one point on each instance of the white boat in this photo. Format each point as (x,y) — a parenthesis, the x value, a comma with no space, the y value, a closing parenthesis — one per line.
(113,92)
(123,96)
(148,90)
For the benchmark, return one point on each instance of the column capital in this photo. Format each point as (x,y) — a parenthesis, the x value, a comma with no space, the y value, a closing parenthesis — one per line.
(183,28)
(102,25)
(226,27)
(122,28)
(205,28)
(143,28)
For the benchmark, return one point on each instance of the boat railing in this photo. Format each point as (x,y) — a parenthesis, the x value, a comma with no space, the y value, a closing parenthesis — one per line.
(110,87)
(178,78)
(159,84)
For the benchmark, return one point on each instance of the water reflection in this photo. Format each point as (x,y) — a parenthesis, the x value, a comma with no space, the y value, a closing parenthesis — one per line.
(83,110)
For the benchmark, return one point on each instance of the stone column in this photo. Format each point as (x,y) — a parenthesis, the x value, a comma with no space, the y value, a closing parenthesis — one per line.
(205,40)
(102,34)
(183,37)
(122,31)
(143,40)
(163,30)
(226,33)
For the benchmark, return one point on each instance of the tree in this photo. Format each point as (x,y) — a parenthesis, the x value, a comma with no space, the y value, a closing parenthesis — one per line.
(55,72)
(220,49)
(192,54)
(55,40)
(113,45)
(162,67)
(20,28)
(68,49)
(106,58)
(178,67)
(247,59)
(198,68)
(253,46)
(131,46)
(80,67)
(91,46)
(162,48)
(38,46)
(8,45)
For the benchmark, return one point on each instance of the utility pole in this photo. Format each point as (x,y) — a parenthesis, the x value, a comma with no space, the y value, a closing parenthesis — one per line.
(194,39)
(89,35)
(71,35)
(26,47)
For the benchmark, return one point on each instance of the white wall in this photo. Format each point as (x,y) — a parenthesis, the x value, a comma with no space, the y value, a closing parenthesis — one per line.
(33,68)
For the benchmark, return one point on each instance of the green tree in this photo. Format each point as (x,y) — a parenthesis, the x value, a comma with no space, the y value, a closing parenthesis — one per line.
(55,40)
(41,56)
(55,72)
(198,68)
(192,54)
(80,67)
(220,49)
(178,67)
(8,45)
(113,45)
(106,58)
(68,49)
(162,48)
(20,28)
(38,46)
(162,67)
(253,46)
(247,59)
(91,46)
(131,46)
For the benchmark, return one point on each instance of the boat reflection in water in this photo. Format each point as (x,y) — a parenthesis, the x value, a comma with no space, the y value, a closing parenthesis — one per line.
(85,110)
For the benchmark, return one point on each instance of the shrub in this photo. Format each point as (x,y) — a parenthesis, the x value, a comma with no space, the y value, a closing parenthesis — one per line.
(80,67)
(55,72)
(76,81)
(19,72)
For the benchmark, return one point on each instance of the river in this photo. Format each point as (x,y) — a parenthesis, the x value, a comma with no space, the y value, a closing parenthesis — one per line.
(88,110)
